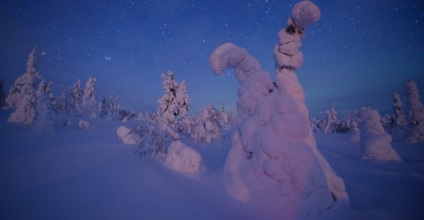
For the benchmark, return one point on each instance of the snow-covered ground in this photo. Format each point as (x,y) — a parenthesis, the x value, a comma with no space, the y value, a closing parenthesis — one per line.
(76,173)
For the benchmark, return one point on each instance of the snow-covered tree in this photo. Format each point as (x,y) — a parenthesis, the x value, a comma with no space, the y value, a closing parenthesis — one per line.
(274,149)
(75,97)
(22,97)
(375,143)
(231,115)
(89,99)
(331,120)
(2,95)
(60,105)
(354,132)
(103,107)
(223,117)
(113,108)
(207,128)
(399,122)
(415,113)
(45,115)
(175,102)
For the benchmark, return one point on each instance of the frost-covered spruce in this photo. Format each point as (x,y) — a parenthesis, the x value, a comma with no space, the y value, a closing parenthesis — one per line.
(45,114)
(175,102)
(207,128)
(22,97)
(415,113)
(103,107)
(112,103)
(89,99)
(274,151)
(331,120)
(74,105)
(398,120)
(354,132)
(375,142)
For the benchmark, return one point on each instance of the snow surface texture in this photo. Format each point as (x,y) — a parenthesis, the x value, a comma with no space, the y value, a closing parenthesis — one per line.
(415,113)
(274,150)
(375,143)
(124,133)
(183,159)
(22,96)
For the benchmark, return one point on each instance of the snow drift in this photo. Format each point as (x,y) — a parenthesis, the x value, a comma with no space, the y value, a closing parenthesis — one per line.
(183,159)
(274,151)
(124,133)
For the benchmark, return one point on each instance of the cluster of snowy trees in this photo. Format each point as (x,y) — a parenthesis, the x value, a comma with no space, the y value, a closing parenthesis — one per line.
(32,101)
(402,125)
(172,121)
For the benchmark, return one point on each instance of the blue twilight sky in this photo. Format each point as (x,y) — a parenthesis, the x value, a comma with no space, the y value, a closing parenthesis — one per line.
(357,54)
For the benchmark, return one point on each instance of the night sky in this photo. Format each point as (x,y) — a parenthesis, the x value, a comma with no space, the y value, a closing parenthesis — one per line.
(357,54)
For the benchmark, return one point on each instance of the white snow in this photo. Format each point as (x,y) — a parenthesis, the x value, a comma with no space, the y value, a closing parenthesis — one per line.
(124,133)
(84,124)
(183,158)
(91,174)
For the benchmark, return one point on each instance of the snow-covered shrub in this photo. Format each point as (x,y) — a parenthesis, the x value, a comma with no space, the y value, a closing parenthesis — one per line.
(125,134)
(89,99)
(84,124)
(274,149)
(207,125)
(398,120)
(22,97)
(153,137)
(375,143)
(415,113)
(183,159)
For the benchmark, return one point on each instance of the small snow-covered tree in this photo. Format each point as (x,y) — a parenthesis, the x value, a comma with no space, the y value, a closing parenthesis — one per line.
(415,113)
(399,122)
(231,115)
(60,105)
(103,107)
(375,144)
(45,114)
(75,97)
(331,120)
(206,128)
(22,97)
(354,132)
(113,108)
(2,95)
(89,99)
(175,102)
(223,117)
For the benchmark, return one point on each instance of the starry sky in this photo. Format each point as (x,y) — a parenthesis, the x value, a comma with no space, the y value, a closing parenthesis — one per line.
(357,54)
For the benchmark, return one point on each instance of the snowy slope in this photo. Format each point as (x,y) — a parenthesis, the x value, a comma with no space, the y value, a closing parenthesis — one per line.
(90,174)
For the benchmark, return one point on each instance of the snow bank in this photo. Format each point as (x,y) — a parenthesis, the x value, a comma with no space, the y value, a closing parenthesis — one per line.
(124,133)
(375,143)
(183,159)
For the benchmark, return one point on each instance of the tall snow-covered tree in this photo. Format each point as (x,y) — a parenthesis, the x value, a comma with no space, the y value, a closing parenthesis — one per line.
(22,97)
(61,108)
(45,115)
(112,103)
(2,95)
(274,149)
(75,96)
(415,113)
(399,122)
(175,102)
(89,99)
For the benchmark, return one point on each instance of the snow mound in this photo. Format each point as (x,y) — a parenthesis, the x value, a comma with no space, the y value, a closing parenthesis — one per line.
(375,143)
(84,124)
(124,133)
(183,159)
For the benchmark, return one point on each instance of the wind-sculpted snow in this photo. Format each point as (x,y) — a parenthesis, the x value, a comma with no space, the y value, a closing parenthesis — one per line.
(274,151)
(375,143)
